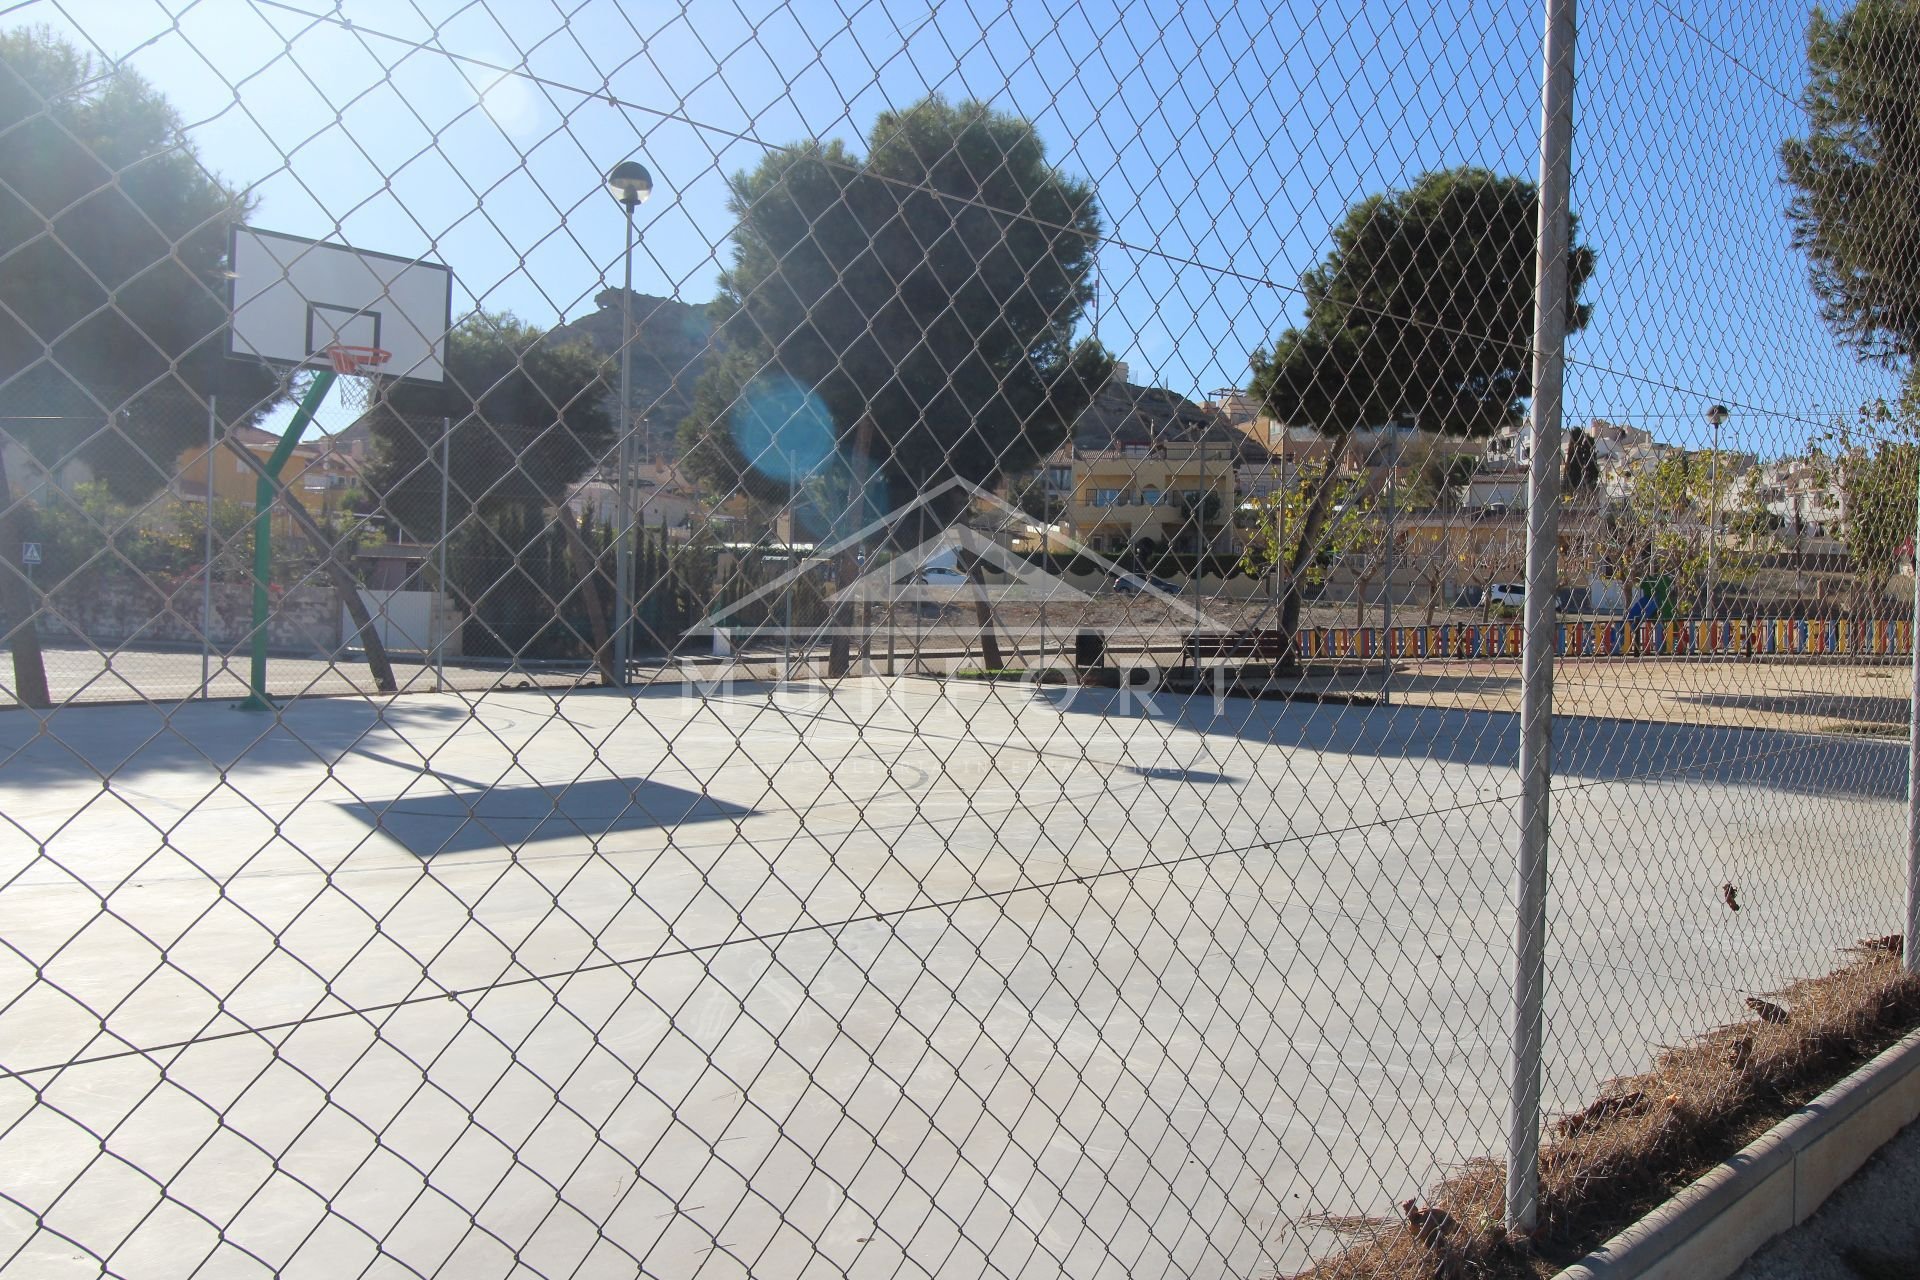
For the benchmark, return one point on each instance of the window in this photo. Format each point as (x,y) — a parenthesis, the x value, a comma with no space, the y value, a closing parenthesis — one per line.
(1150,497)
(1106,497)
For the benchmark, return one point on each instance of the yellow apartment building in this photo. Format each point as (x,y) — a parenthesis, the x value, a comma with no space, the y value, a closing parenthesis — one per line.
(1130,492)
(316,473)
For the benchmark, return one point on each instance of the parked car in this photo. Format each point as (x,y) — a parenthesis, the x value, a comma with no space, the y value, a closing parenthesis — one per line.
(1513,593)
(937,576)
(1136,584)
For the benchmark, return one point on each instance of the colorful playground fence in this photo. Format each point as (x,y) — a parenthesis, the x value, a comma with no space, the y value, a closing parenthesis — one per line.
(1728,637)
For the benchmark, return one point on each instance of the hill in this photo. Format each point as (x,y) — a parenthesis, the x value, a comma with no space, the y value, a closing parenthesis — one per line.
(670,343)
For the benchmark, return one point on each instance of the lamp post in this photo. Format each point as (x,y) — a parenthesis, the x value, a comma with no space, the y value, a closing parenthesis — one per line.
(1716,416)
(629,183)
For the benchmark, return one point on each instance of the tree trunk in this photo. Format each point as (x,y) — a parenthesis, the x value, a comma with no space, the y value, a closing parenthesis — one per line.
(586,572)
(344,586)
(1433,597)
(983,614)
(17,602)
(1360,600)
(1311,521)
(338,575)
(839,643)
(839,650)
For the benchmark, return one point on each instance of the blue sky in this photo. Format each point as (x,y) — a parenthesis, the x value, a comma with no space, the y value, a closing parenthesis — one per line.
(1223,140)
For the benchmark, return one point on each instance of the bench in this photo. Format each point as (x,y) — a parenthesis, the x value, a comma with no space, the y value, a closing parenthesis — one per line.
(1257,645)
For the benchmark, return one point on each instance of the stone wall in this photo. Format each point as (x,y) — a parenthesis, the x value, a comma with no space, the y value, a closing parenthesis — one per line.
(117,610)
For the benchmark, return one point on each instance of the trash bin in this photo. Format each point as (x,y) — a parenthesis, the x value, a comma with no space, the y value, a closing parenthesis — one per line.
(1089,649)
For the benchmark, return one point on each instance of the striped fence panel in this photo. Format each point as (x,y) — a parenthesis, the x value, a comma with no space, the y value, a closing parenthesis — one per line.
(1728,637)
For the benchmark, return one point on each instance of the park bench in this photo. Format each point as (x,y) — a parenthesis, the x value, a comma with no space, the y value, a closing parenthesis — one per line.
(1255,645)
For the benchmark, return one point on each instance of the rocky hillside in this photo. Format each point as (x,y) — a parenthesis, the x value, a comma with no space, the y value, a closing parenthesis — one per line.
(1124,413)
(669,353)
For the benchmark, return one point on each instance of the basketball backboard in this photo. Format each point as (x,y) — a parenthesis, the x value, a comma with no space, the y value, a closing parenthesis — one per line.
(294,297)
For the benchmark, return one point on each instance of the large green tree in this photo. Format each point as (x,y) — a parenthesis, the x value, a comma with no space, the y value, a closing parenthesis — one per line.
(1874,464)
(1662,523)
(1856,174)
(529,419)
(113,244)
(1422,307)
(932,287)
(523,419)
(1877,483)
(113,292)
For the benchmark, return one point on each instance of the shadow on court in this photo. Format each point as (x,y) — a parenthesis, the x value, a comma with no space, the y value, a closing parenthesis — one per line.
(465,819)
(1586,748)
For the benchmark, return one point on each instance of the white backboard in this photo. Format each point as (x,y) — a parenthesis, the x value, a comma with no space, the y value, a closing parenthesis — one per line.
(294,297)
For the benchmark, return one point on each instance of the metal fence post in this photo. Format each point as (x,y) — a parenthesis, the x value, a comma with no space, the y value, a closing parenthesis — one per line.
(1386,577)
(1913,763)
(1536,664)
(206,569)
(445,593)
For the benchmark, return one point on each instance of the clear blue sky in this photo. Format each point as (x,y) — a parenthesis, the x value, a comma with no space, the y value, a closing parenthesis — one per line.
(1223,139)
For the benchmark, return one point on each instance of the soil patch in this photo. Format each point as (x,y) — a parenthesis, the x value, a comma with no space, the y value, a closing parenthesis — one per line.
(1646,1136)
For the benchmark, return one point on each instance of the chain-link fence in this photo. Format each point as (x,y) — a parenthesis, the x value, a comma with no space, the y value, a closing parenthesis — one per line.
(1016,650)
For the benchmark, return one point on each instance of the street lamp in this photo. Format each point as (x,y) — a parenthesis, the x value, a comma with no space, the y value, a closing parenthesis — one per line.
(629,183)
(1716,417)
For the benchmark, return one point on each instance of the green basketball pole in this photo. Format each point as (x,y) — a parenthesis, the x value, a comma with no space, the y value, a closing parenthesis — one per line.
(264,491)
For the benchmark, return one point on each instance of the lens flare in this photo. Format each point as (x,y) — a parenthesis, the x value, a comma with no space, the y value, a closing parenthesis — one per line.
(782,429)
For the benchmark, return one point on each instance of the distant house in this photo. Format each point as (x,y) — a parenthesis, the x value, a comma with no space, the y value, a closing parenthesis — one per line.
(1501,487)
(320,472)
(1805,496)
(1180,494)
(659,496)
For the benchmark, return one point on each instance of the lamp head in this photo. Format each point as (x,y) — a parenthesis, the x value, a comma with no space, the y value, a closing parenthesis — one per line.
(630,183)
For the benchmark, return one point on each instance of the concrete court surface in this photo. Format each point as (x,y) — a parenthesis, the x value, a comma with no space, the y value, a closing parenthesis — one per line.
(896,979)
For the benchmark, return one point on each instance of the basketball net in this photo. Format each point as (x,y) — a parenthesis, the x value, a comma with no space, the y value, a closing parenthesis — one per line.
(357,370)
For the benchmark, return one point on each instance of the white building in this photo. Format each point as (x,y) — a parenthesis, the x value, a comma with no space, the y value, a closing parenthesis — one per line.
(659,497)
(1805,495)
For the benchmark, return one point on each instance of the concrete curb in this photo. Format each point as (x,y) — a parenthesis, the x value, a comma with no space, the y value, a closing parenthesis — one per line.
(1713,1226)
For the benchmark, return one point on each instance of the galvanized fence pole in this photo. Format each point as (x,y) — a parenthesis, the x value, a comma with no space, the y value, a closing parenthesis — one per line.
(444,595)
(1536,664)
(206,570)
(1386,576)
(1913,764)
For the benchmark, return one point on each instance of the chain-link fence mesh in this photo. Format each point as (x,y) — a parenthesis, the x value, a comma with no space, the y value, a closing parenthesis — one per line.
(933,689)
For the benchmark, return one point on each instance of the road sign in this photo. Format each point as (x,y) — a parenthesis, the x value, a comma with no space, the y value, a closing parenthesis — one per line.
(29,553)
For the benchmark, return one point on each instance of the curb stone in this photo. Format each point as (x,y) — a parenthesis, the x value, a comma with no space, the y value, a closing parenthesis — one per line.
(1775,1183)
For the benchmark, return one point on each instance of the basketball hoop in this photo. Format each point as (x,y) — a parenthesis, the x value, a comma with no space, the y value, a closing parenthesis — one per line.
(358,370)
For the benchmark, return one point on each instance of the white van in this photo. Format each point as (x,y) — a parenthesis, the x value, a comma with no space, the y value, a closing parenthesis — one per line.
(1513,593)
